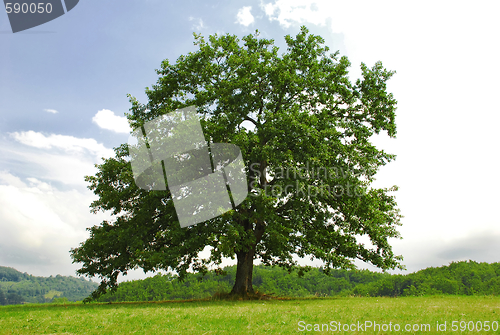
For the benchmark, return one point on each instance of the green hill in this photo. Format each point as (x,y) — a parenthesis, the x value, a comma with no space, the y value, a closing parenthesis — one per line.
(17,287)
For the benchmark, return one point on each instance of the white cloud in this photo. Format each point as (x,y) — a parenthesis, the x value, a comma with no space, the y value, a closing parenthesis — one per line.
(53,111)
(244,16)
(432,35)
(65,160)
(198,25)
(8,179)
(106,119)
(40,224)
(64,142)
(286,12)
(45,202)
(445,57)
(435,250)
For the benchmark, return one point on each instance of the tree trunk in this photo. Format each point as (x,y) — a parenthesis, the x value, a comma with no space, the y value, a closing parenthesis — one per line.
(244,268)
(244,272)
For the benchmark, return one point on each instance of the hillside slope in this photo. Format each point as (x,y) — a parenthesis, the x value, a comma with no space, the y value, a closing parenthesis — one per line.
(17,287)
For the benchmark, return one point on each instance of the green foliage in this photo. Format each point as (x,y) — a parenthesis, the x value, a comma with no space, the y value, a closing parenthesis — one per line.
(3,299)
(458,278)
(306,116)
(27,288)
(52,294)
(11,274)
(164,287)
(275,281)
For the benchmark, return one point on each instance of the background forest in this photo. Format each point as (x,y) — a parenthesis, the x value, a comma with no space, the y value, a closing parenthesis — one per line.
(458,278)
(17,288)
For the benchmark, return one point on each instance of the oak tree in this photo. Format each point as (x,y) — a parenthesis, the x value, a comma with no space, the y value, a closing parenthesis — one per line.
(305,132)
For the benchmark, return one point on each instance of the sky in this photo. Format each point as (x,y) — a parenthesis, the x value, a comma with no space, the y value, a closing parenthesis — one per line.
(63,96)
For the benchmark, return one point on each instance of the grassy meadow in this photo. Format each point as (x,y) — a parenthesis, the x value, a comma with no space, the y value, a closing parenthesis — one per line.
(260,316)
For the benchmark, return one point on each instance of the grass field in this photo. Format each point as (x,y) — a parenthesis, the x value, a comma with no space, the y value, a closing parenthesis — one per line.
(262,317)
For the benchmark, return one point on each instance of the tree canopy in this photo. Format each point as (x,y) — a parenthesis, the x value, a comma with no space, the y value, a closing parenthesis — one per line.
(305,134)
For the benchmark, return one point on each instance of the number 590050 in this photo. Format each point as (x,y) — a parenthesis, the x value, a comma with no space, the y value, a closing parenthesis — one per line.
(28,8)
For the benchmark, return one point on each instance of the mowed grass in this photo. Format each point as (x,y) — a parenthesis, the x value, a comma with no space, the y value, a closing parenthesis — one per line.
(257,317)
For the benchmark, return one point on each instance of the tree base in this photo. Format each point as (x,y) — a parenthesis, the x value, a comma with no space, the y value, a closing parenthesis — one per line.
(242,296)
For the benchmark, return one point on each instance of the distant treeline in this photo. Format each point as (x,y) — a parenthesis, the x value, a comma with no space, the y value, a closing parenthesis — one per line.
(18,288)
(458,278)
